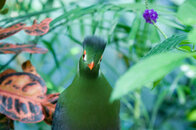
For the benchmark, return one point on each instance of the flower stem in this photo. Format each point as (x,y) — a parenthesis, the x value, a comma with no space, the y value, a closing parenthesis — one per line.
(146,3)
(159,29)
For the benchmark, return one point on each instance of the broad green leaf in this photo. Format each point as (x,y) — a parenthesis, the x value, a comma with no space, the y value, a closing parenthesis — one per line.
(185,48)
(192,36)
(192,115)
(187,12)
(167,45)
(148,70)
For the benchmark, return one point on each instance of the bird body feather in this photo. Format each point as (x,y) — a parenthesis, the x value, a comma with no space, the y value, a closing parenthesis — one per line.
(84,105)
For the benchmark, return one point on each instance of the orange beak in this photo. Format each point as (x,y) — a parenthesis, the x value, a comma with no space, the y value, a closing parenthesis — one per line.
(91,65)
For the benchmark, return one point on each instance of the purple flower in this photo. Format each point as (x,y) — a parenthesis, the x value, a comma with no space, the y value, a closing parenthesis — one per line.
(149,15)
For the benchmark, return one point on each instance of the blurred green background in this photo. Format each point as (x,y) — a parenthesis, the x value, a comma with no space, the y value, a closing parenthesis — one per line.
(171,105)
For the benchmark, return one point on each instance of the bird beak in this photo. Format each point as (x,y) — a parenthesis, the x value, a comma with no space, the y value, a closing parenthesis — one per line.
(91,65)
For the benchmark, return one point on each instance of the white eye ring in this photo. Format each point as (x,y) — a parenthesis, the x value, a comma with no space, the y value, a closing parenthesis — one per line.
(84,57)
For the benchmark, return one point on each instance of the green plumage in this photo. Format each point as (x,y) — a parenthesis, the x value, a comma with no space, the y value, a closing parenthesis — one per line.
(84,105)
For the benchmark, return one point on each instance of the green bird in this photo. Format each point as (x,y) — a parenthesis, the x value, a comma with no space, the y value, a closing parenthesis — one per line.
(85,105)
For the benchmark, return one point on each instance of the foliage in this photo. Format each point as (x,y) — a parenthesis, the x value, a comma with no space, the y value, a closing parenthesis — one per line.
(187,12)
(152,72)
(8,48)
(23,96)
(6,123)
(137,58)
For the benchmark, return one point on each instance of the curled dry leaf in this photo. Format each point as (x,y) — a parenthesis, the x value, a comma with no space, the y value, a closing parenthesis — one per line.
(38,29)
(6,123)
(8,48)
(23,95)
(49,107)
(9,31)
(28,67)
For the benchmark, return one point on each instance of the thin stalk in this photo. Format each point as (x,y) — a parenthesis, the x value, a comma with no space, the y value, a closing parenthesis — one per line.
(146,3)
(29,15)
(156,107)
(159,29)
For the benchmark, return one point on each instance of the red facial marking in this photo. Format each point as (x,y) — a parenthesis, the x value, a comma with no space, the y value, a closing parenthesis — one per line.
(101,58)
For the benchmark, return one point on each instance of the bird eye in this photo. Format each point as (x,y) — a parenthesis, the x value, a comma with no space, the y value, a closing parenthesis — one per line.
(84,55)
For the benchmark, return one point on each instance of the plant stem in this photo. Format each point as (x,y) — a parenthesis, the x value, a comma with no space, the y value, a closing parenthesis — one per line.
(29,15)
(156,107)
(159,29)
(146,3)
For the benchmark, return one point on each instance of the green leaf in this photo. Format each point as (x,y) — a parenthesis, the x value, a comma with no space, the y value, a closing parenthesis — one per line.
(154,35)
(11,19)
(185,48)
(2,3)
(135,27)
(187,12)
(192,115)
(181,95)
(148,70)
(74,39)
(192,36)
(81,11)
(72,13)
(171,23)
(156,83)
(167,45)
(51,49)
(4,11)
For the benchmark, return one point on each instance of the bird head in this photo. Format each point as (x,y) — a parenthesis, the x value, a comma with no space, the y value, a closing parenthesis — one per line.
(93,48)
